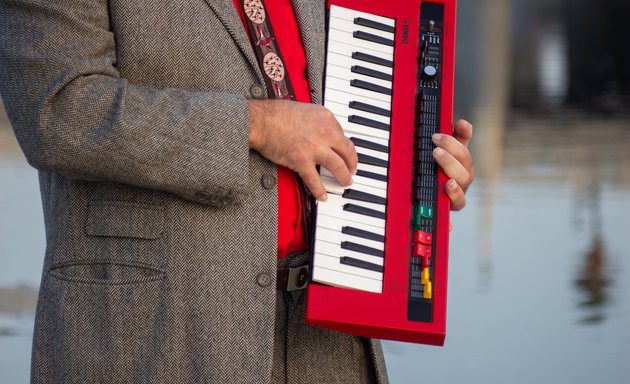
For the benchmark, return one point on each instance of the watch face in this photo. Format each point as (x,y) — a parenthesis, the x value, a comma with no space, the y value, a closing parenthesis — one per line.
(273,67)
(254,11)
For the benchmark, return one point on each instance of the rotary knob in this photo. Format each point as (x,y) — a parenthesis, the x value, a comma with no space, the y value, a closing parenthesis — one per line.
(429,73)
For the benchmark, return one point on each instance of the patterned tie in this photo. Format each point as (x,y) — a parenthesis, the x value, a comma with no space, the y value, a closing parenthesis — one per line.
(267,51)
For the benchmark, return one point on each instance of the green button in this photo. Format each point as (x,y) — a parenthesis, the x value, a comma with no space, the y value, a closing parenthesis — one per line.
(422,212)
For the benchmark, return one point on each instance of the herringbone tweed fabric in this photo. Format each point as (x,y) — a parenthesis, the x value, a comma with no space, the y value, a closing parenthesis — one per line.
(161,239)
(300,350)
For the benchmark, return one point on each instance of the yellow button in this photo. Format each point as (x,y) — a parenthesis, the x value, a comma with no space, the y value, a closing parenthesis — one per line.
(428,291)
(425,276)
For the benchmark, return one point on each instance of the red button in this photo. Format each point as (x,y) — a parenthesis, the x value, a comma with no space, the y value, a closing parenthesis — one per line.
(420,250)
(424,252)
(422,238)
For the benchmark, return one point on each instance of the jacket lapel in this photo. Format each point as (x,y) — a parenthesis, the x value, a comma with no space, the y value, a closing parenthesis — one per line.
(310,15)
(225,11)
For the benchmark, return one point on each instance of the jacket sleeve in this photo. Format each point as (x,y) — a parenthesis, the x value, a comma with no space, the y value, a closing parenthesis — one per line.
(74,114)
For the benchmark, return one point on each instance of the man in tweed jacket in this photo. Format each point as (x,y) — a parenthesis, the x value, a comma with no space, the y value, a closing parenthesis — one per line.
(152,149)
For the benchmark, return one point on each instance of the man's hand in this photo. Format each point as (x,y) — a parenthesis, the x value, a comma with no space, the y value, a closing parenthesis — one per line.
(299,136)
(453,156)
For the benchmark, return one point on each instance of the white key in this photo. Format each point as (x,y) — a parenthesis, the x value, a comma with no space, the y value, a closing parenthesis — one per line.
(347,74)
(348,62)
(341,201)
(332,185)
(359,180)
(334,263)
(345,111)
(373,153)
(337,211)
(360,44)
(343,97)
(370,139)
(336,223)
(335,250)
(345,280)
(336,237)
(348,49)
(372,168)
(366,181)
(344,85)
(351,14)
(350,26)
(351,128)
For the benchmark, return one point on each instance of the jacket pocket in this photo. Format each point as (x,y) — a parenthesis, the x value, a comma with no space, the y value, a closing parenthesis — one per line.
(106,272)
(100,323)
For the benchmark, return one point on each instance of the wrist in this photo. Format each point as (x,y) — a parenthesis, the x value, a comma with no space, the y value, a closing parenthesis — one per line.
(255,123)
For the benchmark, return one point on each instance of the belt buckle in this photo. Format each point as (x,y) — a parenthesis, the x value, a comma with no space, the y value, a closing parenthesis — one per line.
(297,279)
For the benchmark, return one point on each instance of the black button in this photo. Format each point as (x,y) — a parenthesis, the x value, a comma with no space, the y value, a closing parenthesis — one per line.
(268,181)
(263,279)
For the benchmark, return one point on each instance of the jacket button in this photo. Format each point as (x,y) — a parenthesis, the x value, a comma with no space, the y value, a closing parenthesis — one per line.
(263,279)
(268,181)
(257,91)
(203,197)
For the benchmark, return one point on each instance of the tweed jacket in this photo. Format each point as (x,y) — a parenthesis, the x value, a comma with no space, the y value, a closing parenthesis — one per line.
(161,224)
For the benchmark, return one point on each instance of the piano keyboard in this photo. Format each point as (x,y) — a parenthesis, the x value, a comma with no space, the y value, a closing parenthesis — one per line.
(350,230)
(380,252)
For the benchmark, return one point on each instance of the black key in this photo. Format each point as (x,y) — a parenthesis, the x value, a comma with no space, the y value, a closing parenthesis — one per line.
(361,264)
(372,59)
(370,72)
(365,159)
(364,211)
(368,122)
(361,249)
(371,175)
(373,38)
(374,24)
(362,234)
(362,196)
(369,108)
(370,87)
(369,145)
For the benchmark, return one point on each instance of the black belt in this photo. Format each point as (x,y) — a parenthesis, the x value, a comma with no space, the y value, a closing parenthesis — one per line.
(292,279)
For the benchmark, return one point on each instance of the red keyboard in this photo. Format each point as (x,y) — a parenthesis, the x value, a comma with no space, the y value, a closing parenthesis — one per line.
(380,256)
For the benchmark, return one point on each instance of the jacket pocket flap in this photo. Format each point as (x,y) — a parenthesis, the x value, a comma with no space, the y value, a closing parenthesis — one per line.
(124,219)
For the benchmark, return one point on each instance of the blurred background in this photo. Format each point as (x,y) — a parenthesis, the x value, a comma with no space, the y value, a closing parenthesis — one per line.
(539,279)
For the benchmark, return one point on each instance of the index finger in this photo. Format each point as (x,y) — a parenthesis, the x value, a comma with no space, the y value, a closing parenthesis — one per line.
(462,131)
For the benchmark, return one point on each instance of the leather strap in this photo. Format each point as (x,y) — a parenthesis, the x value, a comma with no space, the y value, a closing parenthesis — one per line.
(267,51)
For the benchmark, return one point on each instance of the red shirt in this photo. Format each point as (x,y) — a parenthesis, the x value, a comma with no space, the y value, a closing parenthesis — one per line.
(291,234)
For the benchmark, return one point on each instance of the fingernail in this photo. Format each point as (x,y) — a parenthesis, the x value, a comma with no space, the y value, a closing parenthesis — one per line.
(436,137)
(438,151)
(324,197)
(452,184)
